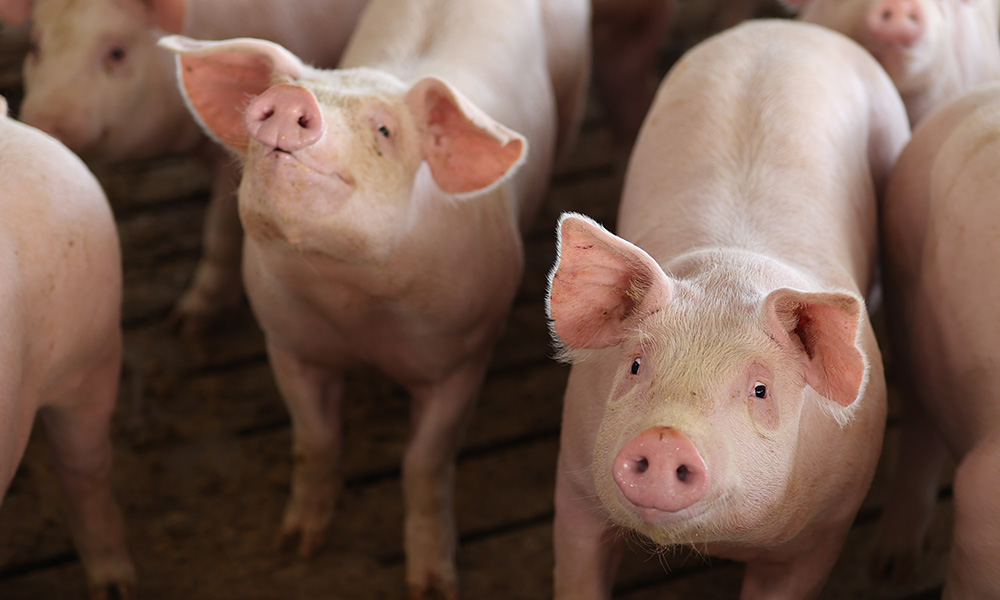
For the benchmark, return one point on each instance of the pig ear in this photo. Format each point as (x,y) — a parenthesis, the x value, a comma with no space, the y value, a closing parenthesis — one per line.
(168,15)
(824,328)
(220,78)
(14,13)
(599,282)
(466,150)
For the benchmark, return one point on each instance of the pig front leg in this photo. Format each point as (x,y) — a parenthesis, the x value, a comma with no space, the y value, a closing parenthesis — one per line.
(587,550)
(77,426)
(440,414)
(803,574)
(217,283)
(912,495)
(975,553)
(313,396)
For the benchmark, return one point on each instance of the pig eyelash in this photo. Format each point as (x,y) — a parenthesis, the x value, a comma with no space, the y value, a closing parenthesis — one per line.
(760,390)
(383,130)
(635,366)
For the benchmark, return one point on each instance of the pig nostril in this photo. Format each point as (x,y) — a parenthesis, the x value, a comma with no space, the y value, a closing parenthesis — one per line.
(683,473)
(267,114)
(641,465)
(303,122)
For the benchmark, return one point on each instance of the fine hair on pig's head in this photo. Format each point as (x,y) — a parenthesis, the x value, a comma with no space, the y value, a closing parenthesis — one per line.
(339,160)
(714,368)
(95,79)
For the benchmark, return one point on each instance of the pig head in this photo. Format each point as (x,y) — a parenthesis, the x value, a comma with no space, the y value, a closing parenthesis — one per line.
(932,49)
(331,158)
(696,357)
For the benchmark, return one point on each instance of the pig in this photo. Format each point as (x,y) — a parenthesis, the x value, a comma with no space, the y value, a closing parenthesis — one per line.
(95,79)
(383,204)
(726,388)
(934,50)
(939,225)
(61,343)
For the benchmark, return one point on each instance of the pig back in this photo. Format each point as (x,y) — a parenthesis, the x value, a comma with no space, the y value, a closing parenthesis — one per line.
(62,288)
(773,137)
(940,227)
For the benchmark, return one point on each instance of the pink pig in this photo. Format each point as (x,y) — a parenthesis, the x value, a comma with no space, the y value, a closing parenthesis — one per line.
(61,347)
(383,205)
(727,390)
(940,228)
(933,49)
(95,79)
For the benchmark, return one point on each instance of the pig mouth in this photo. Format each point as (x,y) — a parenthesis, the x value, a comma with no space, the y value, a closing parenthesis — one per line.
(304,165)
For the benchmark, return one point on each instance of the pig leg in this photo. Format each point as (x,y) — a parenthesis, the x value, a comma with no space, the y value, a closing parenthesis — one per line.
(217,284)
(78,432)
(313,397)
(441,411)
(975,553)
(802,575)
(627,42)
(587,550)
(912,495)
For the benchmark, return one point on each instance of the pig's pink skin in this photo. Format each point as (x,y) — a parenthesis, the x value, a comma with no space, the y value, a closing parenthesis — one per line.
(112,108)
(956,50)
(61,351)
(365,247)
(750,240)
(940,229)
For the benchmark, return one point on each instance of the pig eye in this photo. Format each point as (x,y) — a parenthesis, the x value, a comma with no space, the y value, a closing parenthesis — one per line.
(383,130)
(115,56)
(34,46)
(760,390)
(635,366)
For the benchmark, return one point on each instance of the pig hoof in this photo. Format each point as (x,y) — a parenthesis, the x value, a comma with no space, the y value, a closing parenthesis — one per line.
(306,544)
(893,568)
(434,591)
(114,590)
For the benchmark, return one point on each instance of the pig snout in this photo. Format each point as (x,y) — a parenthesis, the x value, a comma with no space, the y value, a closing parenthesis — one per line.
(285,117)
(897,21)
(661,469)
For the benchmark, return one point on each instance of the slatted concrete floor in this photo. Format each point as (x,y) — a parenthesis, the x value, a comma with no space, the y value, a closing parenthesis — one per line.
(202,445)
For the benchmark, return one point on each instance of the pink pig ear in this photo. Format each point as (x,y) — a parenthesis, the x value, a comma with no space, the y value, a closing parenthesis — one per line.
(598,283)
(220,78)
(466,150)
(824,328)
(14,13)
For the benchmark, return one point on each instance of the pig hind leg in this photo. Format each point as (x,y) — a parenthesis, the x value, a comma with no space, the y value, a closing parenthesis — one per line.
(975,553)
(313,397)
(440,415)
(217,283)
(78,432)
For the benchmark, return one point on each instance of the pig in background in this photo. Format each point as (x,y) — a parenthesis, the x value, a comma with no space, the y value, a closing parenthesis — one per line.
(940,225)
(95,79)
(384,204)
(61,347)
(934,50)
(727,389)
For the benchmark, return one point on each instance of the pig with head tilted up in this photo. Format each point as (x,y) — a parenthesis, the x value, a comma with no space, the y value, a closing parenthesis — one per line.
(60,337)
(934,50)
(383,204)
(727,390)
(95,79)
(940,227)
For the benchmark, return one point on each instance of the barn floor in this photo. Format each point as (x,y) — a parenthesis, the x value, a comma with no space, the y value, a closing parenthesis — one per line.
(202,444)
